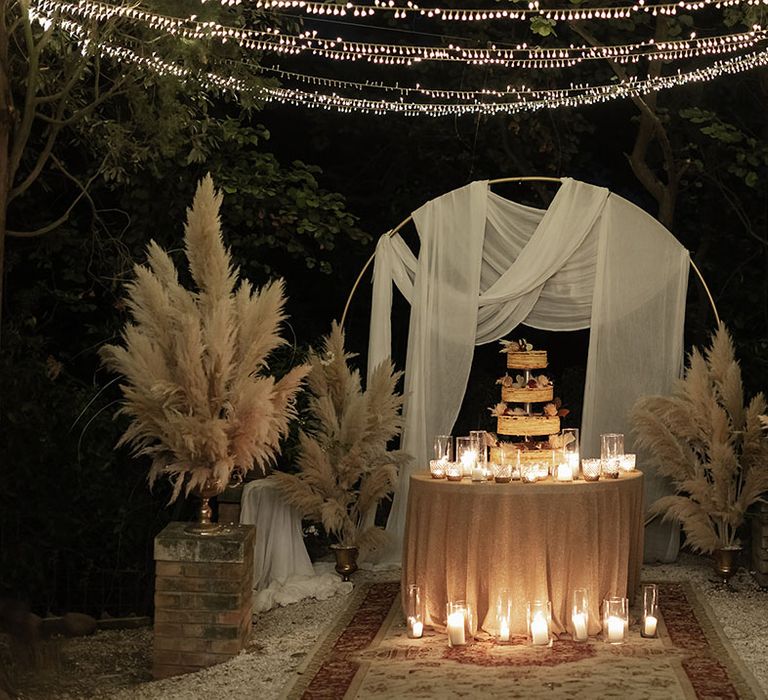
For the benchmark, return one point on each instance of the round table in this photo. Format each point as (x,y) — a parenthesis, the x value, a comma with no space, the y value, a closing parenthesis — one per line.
(466,540)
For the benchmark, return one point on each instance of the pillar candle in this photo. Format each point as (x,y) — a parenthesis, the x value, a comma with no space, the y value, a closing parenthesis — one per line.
(539,631)
(649,628)
(456,634)
(580,626)
(504,630)
(615,629)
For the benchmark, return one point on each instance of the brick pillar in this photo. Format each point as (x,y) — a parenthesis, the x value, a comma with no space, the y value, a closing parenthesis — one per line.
(759,559)
(203,597)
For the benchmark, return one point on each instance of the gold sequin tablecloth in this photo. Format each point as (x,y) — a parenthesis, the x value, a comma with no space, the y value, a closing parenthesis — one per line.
(465,541)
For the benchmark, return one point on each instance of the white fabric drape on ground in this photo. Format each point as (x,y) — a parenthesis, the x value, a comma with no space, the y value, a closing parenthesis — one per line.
(486,264)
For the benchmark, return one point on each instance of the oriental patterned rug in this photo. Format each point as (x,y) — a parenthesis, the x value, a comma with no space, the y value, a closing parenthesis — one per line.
(368,655)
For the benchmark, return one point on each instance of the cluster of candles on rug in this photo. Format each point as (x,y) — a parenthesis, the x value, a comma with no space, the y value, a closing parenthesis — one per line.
(461,620)
(471,460)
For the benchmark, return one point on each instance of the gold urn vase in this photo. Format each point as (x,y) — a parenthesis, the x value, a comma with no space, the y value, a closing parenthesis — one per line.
(203,525)
(346,560)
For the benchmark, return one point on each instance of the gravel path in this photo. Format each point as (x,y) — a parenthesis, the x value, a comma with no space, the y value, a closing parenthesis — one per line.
(116,664)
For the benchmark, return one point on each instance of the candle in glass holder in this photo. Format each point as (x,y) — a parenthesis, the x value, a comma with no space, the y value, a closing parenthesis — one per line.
(590,469)
(415,611)
(456,635)
(454,471)
(627,462)
(478,474)
(611,445)
(609,468)
(580,615)
(529,473)
(650,610)
(437,468)
(460,622)
(444,447)
(502,471)
(615,620)
(503,613)
(564,472)
(539,618)
(466,454)
(479,444)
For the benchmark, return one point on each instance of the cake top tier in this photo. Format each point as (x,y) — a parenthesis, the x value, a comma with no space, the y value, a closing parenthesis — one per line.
(521,355)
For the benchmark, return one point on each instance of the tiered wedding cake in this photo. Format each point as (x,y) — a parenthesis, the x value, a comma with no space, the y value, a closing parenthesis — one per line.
(527,407)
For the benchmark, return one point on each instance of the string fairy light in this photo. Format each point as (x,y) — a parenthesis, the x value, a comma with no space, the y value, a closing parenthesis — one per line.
(533,9)
(519,56)
(524,99)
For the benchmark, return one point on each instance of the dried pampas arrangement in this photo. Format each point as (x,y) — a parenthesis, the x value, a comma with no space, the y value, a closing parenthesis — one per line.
(344,466)
(202,406)
(710,442)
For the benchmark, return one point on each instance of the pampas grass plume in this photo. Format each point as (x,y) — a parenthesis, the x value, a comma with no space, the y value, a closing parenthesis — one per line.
(200,403)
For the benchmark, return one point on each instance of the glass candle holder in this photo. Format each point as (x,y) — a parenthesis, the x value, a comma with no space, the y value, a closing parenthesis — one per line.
(590,469)
(529,472)
(611,445)
(609,467)
(460,623)
(540,622)
(466,454)
(546,464)
(503,614)
(502,471)
(480,445)
(437,468)
(414,615)
(580,615)
(615,620)
(627,462)
(513,455)
(650,621)
(444,447)
(564,472)
(454,471)
(571,449)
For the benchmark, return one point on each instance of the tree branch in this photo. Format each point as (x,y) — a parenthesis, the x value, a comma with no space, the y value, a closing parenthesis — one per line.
(58,222)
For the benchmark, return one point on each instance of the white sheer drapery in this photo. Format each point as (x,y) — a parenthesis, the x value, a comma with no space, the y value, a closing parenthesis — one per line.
(486,264)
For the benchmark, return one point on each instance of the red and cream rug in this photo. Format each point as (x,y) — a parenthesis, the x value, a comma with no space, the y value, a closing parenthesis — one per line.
(368,655)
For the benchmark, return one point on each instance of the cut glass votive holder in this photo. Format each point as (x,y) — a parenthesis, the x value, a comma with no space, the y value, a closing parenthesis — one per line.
(609,467)
(529,473)
(590,469)
(414,616)
(460,624)
(540,622)
(580,615)
(615,620)
(503,614)
(438,468)
(650,622)
(454,471)
(627,462)
(502,471)
(444,447)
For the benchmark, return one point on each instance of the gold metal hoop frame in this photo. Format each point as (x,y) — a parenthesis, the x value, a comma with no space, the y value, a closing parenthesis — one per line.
(558,180)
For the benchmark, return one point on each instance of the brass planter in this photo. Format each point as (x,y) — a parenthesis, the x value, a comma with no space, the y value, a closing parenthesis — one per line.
(726,563)
(346,560)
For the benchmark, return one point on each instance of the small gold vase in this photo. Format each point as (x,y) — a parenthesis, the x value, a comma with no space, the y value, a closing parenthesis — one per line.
(203,524)
(726,563)
(346,560)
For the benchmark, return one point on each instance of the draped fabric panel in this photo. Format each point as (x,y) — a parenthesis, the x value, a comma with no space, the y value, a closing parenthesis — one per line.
(487,264)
